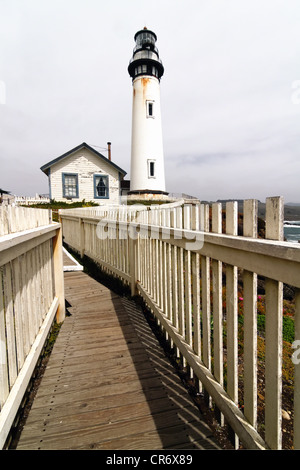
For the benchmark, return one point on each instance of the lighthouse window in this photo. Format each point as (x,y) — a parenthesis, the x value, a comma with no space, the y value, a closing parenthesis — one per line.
(154,71)
(150,109)
(101,187)
(144,68)
(151,168)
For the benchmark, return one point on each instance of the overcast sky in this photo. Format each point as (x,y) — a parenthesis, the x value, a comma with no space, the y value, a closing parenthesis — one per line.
(230,94)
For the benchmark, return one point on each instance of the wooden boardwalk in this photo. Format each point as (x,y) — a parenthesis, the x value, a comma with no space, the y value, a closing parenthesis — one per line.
(108,384)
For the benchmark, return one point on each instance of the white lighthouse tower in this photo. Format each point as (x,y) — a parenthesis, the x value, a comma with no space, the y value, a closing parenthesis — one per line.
(147,178)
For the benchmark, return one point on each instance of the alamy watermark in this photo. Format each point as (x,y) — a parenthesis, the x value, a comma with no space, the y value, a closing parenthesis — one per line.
(2,92)
(296,354)
(138,227)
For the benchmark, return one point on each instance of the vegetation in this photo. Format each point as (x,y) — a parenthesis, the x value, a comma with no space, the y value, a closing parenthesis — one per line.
(288,333)
(56,205)
(63,205)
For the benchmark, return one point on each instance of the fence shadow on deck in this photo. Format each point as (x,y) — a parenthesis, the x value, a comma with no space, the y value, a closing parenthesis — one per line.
(178,422)
(118,391)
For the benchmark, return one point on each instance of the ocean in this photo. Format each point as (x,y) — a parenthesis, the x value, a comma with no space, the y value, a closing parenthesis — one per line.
(292,230)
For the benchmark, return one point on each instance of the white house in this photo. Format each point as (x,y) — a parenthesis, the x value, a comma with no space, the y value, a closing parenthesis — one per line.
(84,173)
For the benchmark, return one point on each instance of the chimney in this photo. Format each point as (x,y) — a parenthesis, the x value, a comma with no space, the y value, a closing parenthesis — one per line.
(109,150)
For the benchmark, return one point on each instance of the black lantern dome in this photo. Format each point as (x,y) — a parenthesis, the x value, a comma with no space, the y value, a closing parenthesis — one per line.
(145,59)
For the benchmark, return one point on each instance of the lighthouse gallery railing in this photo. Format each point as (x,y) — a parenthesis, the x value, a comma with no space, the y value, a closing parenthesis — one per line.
(190,275)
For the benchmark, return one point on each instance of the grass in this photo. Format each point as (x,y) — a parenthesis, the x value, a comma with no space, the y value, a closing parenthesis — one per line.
(56,205)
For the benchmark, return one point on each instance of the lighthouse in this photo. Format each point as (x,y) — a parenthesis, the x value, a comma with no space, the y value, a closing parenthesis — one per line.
(147,180)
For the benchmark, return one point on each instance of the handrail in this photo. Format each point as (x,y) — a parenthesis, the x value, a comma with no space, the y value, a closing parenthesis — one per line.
(31,297)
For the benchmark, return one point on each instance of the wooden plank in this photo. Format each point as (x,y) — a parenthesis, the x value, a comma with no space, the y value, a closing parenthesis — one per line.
(273,335)
(174,287)
(206,340)
(58,268)
(188,296)
(232,313)
(205,298)
(231,309)
(295,359)
(17,285)
(217,299)
(24,305)
(96,436)
(250,320)
(196,303)
(10,326)
(4,380)
(181,323)
(177,437)
(111,393)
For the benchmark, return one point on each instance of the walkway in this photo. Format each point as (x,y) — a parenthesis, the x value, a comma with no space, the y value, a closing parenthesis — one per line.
(108,384)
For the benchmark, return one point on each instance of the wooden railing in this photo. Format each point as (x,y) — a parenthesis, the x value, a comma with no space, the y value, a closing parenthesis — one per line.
(188,264)
(31,294)
(28,201)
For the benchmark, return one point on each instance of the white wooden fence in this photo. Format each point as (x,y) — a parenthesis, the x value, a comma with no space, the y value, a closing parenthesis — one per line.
(174,258)
(27,201)
(31,294)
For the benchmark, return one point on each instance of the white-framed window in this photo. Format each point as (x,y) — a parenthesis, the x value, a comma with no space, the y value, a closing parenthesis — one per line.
(101,187)
(70,185)
(150,109)
(151,169)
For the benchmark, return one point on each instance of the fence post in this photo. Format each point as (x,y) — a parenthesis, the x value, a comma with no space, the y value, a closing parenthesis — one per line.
(59,274)
(133,246)
(273,335)
(250,320)
(297,376)
(81,237)
(232,312)
(217,305)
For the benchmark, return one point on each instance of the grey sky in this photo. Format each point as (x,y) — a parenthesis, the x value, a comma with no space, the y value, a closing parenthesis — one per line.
(231,117)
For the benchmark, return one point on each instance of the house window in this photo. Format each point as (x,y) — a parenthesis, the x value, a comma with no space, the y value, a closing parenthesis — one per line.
(101,187)
(151,168)
(70,185)
(150,109)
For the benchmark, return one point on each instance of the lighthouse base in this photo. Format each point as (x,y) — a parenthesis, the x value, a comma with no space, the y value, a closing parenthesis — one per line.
(148,195)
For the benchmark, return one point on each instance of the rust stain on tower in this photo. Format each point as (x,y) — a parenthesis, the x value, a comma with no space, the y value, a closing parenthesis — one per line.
(145,82)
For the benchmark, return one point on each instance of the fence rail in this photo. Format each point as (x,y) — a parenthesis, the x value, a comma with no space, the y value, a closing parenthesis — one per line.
(31,294)
(188,263)
(16,219)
